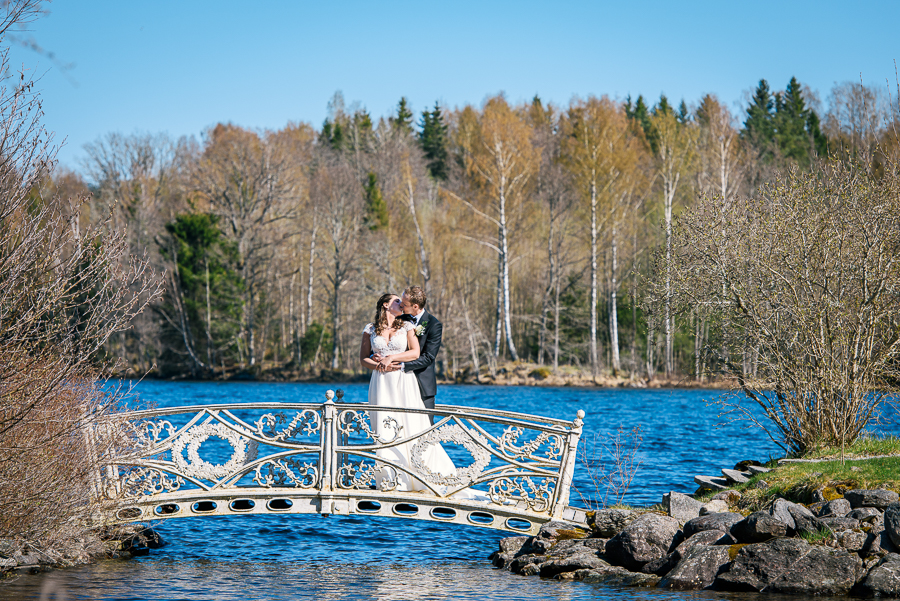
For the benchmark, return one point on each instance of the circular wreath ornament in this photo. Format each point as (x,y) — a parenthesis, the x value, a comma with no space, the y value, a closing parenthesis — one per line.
(471,441)
(198,468)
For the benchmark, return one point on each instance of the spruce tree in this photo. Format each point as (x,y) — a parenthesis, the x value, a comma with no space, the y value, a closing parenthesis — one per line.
(433,139)
(684,114)
(663,106)
(759,128)
(404,120)
(790,124)
(639,114)
(377,217)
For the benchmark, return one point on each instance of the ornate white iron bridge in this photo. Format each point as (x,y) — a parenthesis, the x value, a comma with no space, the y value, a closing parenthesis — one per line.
(513,471)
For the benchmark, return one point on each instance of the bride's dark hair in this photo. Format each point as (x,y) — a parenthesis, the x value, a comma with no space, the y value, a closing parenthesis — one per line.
(381,320)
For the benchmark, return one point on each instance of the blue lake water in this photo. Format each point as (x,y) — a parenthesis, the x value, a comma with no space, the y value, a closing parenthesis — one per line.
(312,557)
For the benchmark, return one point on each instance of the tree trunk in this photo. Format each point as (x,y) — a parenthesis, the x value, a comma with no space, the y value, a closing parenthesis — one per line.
(504,262)
(309,287)
(594,299)
(335,321)
(556,326)
(613,307)
(669,185)
(209,344)
(423,257)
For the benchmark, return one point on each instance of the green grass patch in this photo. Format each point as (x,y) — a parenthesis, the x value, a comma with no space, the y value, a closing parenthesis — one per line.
(798,481)
(866,445)
(816,538)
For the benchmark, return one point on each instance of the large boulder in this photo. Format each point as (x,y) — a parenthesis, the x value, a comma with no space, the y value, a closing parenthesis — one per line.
(878,542)
(852,540)
(649,537)
(779,510)
(865,514)
(883,580)
(617,576)
(837,524)
(879,498)
(664,565)
(697,569)
(756,566)
(804,520)
(758,527)
(822,571)
(510,547)
(606,523)
(715,521)
(714,506)
(527,564)
(680,506)
(892,522)
(585,560)
(836,508)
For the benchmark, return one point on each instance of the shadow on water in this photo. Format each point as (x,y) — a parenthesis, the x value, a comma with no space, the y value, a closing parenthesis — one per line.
(310,557)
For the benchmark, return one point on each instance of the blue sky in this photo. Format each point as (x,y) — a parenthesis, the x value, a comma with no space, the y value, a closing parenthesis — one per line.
(180,67)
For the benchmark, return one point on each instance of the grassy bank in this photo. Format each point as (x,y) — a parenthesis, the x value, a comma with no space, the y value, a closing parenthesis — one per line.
(870,462)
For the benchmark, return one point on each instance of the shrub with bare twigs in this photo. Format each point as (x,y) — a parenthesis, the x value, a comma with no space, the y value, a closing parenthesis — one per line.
(610,462)
(803,282)
(64,289)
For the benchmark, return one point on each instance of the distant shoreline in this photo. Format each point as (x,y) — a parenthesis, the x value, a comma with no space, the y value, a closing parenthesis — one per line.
(511,374)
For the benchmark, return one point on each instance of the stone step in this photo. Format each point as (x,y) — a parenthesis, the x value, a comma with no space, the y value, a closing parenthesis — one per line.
(711,482)
(736,476)
(758,469)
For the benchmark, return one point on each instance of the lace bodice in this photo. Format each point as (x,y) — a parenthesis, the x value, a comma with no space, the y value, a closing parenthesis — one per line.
(397,344)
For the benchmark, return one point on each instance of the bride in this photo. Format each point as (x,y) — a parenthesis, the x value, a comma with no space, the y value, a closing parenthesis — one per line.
(395,340)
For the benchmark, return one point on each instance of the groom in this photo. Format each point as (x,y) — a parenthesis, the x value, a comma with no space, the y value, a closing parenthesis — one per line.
(429,331)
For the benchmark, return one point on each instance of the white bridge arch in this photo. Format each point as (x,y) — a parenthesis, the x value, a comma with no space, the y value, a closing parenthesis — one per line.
(322,458)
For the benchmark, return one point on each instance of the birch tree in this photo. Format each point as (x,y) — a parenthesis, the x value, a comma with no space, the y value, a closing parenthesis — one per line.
(673,142)
(599,148)
(501,157)
(339,198)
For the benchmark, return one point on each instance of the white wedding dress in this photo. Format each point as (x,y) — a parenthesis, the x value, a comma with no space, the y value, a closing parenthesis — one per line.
(400,389)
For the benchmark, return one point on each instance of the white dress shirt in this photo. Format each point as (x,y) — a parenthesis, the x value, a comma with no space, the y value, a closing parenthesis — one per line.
(416,319)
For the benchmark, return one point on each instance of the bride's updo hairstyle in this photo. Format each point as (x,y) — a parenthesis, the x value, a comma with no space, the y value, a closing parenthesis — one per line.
(381,320)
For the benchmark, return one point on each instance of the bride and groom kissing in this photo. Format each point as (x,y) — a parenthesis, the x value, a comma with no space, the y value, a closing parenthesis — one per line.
(400,347)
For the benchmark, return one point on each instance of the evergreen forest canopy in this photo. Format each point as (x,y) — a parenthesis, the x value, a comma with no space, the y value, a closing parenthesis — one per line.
(533,228)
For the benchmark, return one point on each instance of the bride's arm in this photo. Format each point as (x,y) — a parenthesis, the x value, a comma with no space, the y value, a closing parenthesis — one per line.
(411,355)
(365,352)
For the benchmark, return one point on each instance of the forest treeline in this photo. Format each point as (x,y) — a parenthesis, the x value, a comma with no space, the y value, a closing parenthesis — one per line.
(532,227)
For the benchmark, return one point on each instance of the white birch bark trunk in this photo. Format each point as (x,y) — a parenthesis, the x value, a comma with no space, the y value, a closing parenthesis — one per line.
(613,308)
(594,299)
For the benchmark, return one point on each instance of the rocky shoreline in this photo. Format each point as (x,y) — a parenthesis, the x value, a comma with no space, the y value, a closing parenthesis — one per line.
(848,545)
(121,542)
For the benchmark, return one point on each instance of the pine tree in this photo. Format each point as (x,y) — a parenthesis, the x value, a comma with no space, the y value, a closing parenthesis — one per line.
(684,115)
(640,115)
(820,141)
(433,139)
(662,107)
(404,120)
(759,128)
(377,217)
(332,135)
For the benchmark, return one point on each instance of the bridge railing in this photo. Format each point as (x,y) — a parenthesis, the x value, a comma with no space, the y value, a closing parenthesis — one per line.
(333,451)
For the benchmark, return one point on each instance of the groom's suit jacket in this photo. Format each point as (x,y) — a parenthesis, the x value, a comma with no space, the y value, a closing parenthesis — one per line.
(423,367)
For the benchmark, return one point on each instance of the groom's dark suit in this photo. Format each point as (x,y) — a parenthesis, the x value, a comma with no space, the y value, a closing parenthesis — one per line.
(423,367)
